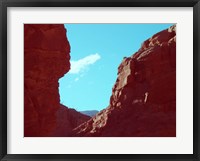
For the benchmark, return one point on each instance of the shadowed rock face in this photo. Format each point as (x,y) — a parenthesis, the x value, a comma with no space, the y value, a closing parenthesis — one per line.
(46,59)
(143,101)
(68,119)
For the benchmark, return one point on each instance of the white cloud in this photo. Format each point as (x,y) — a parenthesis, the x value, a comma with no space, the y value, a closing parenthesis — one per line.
(76,79)
(79,65)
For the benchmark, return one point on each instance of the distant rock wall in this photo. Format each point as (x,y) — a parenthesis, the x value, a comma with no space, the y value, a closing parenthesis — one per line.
(89,112)
(143,101)
(46,59)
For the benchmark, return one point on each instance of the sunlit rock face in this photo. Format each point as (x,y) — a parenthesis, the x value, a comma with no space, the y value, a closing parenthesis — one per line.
(46,59)
(143,101)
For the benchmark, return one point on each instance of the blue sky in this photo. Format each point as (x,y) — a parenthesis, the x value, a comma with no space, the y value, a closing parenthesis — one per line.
(96,52)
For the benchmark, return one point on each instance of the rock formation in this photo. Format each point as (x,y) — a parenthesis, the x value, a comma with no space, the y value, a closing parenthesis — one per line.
(68,119)
(143,101)
(89,112)
(46,59)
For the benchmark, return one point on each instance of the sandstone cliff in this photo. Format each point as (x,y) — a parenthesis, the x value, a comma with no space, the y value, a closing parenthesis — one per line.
(68,119)
(143,101)
(46,59)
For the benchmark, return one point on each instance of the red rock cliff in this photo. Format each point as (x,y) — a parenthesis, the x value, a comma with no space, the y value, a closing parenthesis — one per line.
(143,101)
(46,59)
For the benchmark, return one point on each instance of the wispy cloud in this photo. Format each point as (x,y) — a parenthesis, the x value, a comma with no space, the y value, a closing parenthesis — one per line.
(79,65)
(76,79)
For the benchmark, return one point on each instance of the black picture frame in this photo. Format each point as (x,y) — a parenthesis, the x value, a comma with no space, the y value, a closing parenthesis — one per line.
(4,4)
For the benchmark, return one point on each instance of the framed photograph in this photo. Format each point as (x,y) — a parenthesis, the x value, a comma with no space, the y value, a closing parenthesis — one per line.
(109,80)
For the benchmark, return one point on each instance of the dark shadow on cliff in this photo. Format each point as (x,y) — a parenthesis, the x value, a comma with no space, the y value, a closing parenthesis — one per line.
(46,60)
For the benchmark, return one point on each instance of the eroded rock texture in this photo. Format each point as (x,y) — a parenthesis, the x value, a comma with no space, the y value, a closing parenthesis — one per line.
(46,59)
(143,101)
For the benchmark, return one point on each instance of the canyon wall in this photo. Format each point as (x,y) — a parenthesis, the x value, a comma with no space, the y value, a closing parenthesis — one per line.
(143,101)
(46,59)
